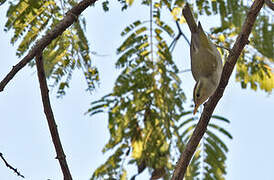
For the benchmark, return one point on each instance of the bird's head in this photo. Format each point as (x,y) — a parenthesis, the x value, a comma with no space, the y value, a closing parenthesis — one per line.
(202,90)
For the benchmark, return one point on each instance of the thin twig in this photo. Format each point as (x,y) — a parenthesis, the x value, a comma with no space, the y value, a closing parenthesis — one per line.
(50,117)
(173,43)
(68,20)
(181,32)
(210,105)
(228,49)
(217,45)
(151,29)
(9,166)
(183,71)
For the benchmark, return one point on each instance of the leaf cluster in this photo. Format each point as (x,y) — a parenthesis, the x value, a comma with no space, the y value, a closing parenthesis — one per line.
(145,103)
(29,19)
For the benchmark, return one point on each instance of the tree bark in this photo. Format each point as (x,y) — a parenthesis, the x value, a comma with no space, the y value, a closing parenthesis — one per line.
(50,117)
(69,19)
(210,105)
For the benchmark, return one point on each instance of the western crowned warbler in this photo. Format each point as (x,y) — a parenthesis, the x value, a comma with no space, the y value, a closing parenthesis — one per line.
(206,62)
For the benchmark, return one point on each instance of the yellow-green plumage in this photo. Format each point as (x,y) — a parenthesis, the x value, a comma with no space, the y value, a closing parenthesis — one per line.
(206,62)
(205,58)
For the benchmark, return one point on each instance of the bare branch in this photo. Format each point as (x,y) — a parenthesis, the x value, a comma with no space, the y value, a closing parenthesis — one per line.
(9,166)
(210,105)
(181,32)
(50,117)
(173,43)
(71,16)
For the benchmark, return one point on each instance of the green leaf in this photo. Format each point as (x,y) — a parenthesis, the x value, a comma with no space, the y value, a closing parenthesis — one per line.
(220,118)
(105,5)
(222,130)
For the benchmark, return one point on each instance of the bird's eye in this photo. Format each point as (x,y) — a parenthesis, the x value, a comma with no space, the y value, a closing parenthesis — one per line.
(198,95)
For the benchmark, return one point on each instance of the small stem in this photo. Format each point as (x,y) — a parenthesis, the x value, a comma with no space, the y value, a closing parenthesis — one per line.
(151,29)
(228,49)
(9,166)
(183,71)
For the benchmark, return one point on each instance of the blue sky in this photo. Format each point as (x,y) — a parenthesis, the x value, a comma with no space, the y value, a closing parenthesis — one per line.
(25,139)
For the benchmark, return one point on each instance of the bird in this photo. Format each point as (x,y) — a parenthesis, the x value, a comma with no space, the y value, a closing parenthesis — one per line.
(206,61)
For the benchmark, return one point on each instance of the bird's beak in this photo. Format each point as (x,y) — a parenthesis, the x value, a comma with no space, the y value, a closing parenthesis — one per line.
(195,109)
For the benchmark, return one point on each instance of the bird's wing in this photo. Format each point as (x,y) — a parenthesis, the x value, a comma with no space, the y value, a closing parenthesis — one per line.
(209,55)
(203,63)
(209,63)
(204,41)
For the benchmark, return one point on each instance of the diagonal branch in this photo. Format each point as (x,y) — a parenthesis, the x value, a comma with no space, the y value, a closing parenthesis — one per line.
(9,166)
(210,105)
(181,32)
(50,117)
(68,20)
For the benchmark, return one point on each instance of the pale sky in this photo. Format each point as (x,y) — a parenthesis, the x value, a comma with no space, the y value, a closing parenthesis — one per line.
(25,139)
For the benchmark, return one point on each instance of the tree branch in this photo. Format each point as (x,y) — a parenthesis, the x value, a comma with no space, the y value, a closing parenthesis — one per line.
(181,32)
(210,105)
(71,16)
(50,117)
(9,166)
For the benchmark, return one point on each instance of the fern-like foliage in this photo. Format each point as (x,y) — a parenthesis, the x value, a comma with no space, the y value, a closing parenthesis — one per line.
(147,121)
(209,159)
(144,105)
(29,19)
